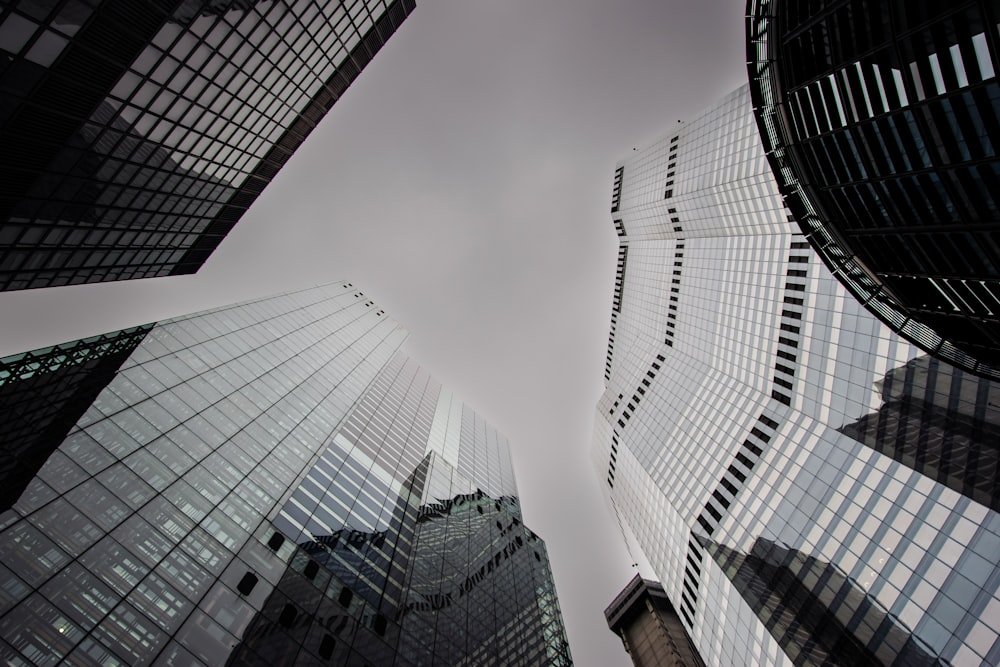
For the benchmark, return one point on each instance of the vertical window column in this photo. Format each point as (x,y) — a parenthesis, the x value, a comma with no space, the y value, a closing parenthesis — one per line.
(671,166)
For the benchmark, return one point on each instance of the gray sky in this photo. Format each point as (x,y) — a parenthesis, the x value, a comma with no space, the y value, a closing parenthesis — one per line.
(464,183)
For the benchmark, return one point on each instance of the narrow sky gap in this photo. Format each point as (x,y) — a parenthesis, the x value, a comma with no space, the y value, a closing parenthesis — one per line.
(464,183)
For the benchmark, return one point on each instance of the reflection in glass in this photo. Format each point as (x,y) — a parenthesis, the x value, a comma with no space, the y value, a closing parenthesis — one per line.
(315,500)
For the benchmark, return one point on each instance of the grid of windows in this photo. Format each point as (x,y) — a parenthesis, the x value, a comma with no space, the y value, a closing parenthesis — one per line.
(264,480)
(800,477)
(136,135)
(882,140)
(498,597)
(44,392)
(167,483)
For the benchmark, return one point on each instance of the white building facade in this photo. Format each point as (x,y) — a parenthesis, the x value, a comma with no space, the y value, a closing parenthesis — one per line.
(808,487)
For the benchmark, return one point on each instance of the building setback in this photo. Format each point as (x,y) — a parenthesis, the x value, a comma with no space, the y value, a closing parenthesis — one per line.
(880,120)
(136,133)
(809,487)
(267,483)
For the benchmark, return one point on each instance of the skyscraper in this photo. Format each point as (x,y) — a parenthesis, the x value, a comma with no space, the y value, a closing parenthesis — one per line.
(272,482)
(650,627)
(135,134)
(879,121)
(809,487)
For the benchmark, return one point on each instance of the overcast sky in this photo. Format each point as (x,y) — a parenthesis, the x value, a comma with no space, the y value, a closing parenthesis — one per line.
(464,183)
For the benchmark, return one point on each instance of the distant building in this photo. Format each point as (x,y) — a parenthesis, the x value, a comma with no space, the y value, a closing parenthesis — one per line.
(880,122)
(650,628)
(809,487)
(266,483)
(135,134)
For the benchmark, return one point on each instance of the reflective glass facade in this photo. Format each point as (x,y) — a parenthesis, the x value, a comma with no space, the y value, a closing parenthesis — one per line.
(809,486)
(879,119)
(269,483)
(136,134)
(42,395)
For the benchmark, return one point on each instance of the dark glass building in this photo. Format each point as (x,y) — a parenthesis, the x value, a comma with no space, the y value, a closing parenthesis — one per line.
(650,627)
(880,120)
(44,392)
(135,133)
(269,483)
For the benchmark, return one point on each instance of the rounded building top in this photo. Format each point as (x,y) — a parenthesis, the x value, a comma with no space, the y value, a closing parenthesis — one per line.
(879,121)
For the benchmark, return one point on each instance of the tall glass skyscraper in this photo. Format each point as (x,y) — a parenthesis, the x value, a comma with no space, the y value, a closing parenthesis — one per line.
(269,483)
(810,488)
(135,133)
(880,121)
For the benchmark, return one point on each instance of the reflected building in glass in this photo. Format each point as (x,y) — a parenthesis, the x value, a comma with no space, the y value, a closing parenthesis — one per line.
(880,122)
(809,487)
(268,483)
(136,134)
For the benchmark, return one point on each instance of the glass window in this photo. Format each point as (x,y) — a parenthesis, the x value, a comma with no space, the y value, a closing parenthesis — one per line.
(15,33)
(46,48)
(167,518)
(152,471)
(126,485)
(80,595)
(114,564)
(35,495)
(171,455)
(141,539)
(225,530)
(129,632)
(190,501)
(206,550)
(189,443)
(61,473)
(206,639)
(73,531)
(228,609)
(39,631)
(184,574)
(138,429)
(86,452)
(104,507)
(160,602)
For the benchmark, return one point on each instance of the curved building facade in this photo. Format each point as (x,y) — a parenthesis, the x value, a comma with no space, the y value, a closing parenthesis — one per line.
(808,487)
(879,121)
